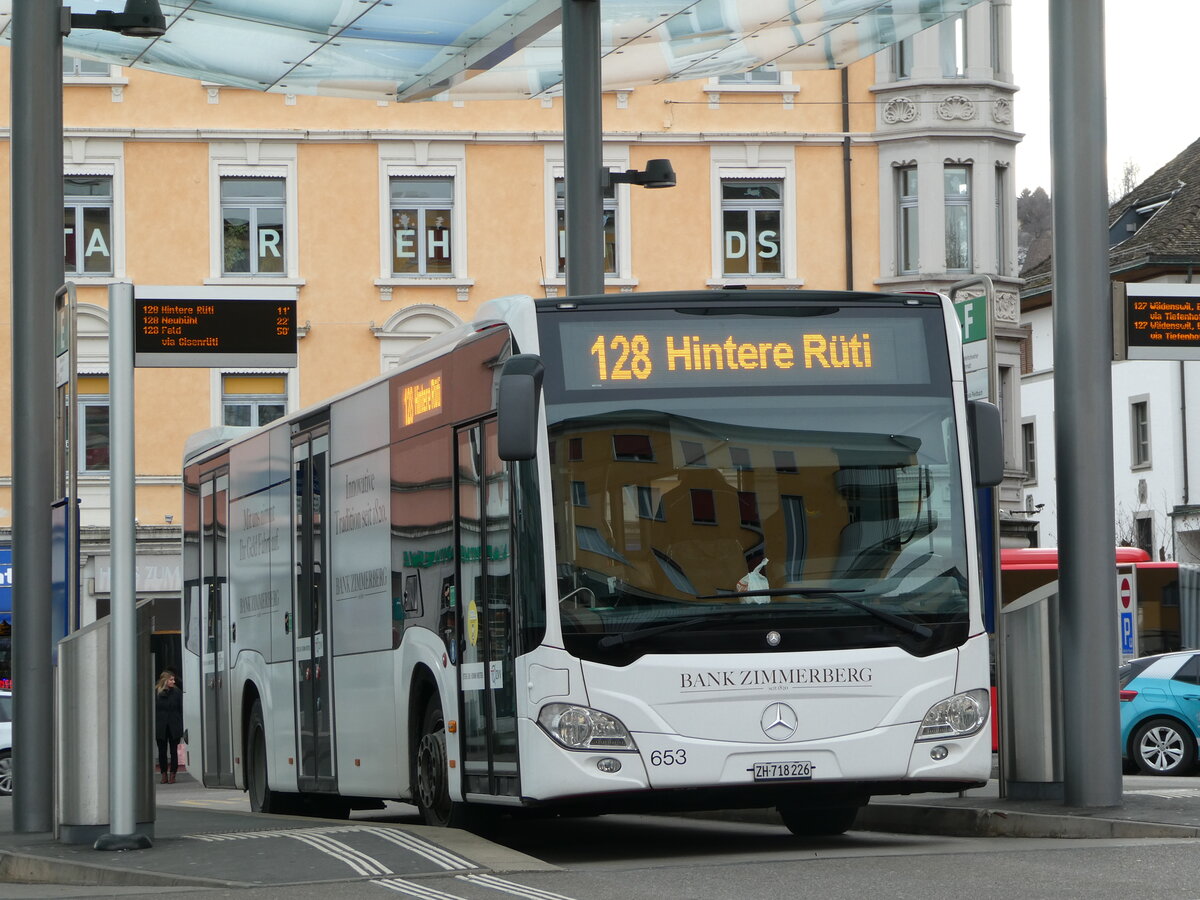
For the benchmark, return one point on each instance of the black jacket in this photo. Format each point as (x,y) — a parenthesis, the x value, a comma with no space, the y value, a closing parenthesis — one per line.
(168,715)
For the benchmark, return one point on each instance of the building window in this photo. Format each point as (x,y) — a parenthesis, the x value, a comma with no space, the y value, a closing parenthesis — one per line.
(952,42)
(1139,429)
(704,507)
(77,67)
(579,496)
(633,448)
(785,462)
(575,449)
(87,224)
(1001,215)
(748,507)
(93,423)
(253,400)
(739,458)
(422,225)
(752,221)
(765,74)
(646,500)
(957,180)
(902,59)
(609,227)
(1029,445)
(1144,534)
(693,453)
(253,217)
(907,232)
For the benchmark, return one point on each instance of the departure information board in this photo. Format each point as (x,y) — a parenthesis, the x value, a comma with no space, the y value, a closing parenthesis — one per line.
(1156,321)
(214,332)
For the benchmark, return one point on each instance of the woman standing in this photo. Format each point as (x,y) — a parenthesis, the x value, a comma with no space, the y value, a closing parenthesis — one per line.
(168,724)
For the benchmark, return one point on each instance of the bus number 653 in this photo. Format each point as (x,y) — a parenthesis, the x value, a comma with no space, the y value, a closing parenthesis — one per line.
(668,757)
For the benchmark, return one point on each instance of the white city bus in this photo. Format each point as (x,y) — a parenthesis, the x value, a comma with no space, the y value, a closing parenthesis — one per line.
(627,552)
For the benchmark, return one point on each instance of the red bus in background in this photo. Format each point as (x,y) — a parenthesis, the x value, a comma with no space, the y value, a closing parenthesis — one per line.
(1155,588)
(1163,598)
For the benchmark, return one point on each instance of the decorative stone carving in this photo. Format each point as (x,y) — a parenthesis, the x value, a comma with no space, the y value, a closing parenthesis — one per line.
(1007,307)
(899,110)
(956,106)
(1002,111)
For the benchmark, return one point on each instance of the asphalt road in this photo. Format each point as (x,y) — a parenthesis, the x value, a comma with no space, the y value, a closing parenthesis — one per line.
(667,858)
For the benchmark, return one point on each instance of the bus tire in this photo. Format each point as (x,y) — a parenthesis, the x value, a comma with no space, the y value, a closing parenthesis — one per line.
(817,821)
(262,798)
(433,772)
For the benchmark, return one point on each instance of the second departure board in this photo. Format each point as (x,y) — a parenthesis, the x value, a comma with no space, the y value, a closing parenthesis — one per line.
(1155,320)
(212,333)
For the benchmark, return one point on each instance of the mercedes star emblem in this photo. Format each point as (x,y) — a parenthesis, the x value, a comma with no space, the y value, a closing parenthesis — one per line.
(779,722)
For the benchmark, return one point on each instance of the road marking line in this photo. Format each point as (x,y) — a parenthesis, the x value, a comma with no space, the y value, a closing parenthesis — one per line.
(355,859)
(430,851)
(400,886)
(510,887)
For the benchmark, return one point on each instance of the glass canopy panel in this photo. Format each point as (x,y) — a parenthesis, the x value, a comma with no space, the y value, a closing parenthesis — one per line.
(380,49)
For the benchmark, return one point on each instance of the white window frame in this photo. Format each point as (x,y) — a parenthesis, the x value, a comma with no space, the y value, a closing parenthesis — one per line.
(615,159)
(1140,450)
(1029,460)
(254,401)
(905,202)
(966,203)
(761,163)
(424,159)
(99,400)
(105,160)
(250,160)
(73,206)
(216,390)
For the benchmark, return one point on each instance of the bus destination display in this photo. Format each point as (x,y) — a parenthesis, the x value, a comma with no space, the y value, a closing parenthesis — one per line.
(743,351)
(214,332)
(1161,321)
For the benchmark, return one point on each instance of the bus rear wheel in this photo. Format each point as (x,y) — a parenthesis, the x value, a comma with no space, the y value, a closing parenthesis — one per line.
(262,798)
(812,821)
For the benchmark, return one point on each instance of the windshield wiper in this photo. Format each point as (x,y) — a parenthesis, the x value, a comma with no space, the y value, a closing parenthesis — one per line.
(906,625)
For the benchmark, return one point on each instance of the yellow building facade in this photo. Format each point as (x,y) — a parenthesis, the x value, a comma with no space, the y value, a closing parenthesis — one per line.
(393,222)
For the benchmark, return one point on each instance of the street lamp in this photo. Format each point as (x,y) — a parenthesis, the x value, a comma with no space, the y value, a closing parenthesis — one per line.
(140,18)
(657,174)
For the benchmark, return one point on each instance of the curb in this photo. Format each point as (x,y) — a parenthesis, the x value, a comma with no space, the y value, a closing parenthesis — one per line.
(31,869)
(988,822)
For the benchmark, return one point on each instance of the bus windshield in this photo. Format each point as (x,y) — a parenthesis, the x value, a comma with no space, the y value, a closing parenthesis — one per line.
(771,514)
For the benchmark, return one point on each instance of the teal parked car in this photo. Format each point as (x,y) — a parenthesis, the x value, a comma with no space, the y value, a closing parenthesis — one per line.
(1160,712)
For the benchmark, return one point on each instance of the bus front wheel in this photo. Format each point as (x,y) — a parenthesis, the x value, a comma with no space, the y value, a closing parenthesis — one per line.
(809,821)
(433,773)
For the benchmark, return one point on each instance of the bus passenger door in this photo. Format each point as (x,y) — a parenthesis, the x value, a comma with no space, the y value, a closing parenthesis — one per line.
(215,660)
(310,624)
(486,674)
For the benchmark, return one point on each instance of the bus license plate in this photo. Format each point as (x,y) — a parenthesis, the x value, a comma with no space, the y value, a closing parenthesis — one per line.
(776,771)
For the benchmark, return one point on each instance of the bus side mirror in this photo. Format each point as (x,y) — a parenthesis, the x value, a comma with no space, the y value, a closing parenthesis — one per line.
(517,407)
(987,442)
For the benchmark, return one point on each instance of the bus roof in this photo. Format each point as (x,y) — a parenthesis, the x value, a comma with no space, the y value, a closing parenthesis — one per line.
(733,297)
(1047,557)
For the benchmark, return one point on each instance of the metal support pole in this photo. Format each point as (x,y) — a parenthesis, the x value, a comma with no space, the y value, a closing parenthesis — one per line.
(37,234)
(1083,404)
(583,138)
(122,679)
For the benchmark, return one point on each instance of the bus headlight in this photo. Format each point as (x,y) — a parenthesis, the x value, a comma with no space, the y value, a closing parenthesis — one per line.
(582,728)
(958,716)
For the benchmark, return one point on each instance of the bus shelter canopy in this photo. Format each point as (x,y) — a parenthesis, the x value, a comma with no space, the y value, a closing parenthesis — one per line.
(490,49)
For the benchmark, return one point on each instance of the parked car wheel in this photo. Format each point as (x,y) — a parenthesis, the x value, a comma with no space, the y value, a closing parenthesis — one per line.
(1163,747)
(5,772)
